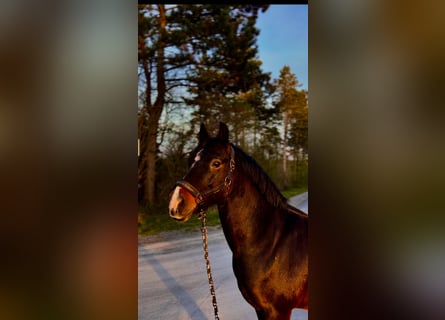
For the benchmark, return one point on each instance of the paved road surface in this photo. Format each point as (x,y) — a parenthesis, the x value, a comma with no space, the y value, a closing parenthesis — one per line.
(300,201)
(173,280)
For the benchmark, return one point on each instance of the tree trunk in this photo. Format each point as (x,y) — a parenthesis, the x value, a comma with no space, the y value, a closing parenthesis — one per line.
(155,111)
(285,127)
(151,154)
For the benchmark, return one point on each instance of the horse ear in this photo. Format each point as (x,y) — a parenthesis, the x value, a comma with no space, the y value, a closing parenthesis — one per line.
(223,133)
(203,135)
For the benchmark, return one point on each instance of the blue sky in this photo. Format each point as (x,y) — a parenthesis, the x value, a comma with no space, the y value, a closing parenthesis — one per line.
(283,40)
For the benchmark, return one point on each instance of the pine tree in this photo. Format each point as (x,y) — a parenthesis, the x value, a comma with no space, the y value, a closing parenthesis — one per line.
(293,105)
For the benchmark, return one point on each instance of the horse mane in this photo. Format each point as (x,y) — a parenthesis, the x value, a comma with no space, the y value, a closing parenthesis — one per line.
(260,179)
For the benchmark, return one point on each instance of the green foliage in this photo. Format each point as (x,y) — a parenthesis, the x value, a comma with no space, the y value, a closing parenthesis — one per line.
(228,70)
(293,104)
(299,173)
(288,193)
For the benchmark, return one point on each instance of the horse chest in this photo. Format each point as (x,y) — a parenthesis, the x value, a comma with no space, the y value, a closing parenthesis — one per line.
(249,270)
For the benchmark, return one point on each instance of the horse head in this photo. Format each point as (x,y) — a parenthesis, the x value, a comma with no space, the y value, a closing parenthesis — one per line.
(209,179)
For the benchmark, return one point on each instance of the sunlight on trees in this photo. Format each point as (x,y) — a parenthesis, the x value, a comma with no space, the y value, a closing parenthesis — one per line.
(200,63)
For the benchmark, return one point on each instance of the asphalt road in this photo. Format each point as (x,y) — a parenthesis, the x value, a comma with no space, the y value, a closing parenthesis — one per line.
(173,280)
(301,202)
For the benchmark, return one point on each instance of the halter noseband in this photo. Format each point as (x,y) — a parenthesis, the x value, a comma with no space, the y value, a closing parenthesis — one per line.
(202,197)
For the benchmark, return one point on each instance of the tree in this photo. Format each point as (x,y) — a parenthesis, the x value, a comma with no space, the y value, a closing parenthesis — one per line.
(151,58)
(228,69)
(209,50)
(293,105)
(298,131)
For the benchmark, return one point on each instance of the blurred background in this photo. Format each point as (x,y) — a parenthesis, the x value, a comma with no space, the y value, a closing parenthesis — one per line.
(377,160)
(68,97)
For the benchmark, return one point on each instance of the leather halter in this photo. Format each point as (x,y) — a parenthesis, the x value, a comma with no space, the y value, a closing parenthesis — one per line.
(202,196)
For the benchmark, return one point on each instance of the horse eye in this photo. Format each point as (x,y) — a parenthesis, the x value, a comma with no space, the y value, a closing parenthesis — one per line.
(216,164)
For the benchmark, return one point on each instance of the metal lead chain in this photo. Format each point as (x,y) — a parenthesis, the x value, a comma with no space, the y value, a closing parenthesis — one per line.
(202,216)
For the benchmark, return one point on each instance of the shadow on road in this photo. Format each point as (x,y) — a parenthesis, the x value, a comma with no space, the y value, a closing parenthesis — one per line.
(174,287)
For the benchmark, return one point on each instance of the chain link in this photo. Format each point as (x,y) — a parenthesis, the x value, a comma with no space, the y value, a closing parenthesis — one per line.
(202,216)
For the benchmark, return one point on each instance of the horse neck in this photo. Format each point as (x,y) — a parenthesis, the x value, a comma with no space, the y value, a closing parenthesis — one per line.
(247,217)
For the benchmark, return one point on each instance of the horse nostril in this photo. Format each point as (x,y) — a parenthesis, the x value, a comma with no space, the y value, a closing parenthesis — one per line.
(179,206)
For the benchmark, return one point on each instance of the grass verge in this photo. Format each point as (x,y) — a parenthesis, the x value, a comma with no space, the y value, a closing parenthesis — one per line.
(154,224)
(293,192)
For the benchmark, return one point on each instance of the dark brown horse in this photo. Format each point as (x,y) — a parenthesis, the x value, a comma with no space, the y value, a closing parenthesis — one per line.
(268,238)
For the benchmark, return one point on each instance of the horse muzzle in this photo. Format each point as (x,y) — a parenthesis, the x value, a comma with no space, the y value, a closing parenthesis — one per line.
(182,204)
